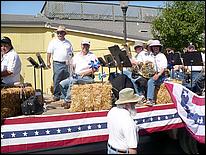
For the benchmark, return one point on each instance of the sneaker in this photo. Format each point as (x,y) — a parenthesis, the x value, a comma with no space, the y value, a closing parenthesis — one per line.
(150,103)
(67,105)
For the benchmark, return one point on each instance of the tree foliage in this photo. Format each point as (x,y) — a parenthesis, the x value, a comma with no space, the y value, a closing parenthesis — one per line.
(180,23)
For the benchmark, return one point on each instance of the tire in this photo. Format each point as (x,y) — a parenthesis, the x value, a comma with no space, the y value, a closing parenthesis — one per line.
(187,142)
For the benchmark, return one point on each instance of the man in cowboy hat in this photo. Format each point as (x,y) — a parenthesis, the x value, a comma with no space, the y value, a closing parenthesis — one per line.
(160,65)
(61,51)
(138,47)
(123,132)
(143,57)
(131,73)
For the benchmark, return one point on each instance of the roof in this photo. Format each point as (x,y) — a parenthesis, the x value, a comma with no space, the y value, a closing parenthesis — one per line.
(105,28)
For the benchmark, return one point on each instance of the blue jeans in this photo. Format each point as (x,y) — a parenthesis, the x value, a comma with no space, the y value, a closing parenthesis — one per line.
(197,79)
(151,84)
(66,85)
(60,72)
(179,75)
(129,75)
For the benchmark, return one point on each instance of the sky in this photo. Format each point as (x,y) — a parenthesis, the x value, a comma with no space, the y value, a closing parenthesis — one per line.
(34,7)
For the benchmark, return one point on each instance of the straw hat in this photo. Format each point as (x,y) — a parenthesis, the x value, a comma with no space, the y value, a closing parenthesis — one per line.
(61,28)
(127,95)
(138,44)
(149,42)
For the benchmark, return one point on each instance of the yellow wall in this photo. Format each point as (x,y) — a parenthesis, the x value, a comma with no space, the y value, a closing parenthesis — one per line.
(28,41)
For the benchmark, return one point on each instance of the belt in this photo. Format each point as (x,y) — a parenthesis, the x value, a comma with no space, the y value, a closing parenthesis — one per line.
(62,62)
(117,150)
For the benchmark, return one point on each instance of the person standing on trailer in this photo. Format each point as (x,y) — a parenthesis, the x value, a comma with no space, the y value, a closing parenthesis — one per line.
(60,49)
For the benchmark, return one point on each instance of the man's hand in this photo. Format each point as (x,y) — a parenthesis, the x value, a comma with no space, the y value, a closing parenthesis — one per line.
(133,62)
(156,76)
(48,60)
(49,64)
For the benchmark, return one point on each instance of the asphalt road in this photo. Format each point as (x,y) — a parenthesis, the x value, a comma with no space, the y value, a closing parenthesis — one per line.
(156,143)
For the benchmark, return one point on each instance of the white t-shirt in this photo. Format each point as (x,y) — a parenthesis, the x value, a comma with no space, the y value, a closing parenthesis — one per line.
(123,132)
(60,50)
(11,62)
(145,56)
(160,62)
(82,62)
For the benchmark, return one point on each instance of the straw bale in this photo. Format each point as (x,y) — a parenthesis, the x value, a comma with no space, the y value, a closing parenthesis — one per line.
(91,97)
(11,99)
(177,81)
(162,95)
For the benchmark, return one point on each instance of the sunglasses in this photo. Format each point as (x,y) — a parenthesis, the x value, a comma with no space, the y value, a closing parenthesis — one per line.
(60,32)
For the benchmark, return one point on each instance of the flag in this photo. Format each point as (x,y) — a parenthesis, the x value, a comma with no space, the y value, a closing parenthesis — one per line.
(28,133)
(190,107)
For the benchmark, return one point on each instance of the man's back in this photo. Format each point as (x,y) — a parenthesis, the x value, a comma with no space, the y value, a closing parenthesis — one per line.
(122,129)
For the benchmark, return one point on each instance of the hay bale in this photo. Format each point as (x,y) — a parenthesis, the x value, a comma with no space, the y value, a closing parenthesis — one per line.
(91,97)
(177,81)
(162,95)
(11,99)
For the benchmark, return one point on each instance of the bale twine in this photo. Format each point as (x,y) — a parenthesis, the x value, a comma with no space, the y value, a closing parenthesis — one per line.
(11,100)
(91,97)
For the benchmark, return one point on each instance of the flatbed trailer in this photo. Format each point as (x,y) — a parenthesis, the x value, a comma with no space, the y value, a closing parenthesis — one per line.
(34,133)
(58,129)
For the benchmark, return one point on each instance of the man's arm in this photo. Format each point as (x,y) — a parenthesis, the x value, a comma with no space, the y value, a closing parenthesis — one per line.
(132,150)
(48,60)
(87,72)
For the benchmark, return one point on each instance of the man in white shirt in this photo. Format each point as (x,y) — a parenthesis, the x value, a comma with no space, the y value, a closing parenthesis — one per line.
(123,131)
(138,47)
(85,64)
(10,63)
(160,65)
(61,50)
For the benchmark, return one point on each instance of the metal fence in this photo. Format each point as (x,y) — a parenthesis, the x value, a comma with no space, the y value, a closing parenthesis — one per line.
(98,11)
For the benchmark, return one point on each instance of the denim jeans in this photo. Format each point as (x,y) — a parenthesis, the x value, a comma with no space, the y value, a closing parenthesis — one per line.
(66,85)
(60,72)
(129,75)
(197,82)
(179,75)
(151,84)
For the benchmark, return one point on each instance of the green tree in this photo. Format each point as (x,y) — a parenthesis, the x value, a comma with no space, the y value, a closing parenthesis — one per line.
(181,23)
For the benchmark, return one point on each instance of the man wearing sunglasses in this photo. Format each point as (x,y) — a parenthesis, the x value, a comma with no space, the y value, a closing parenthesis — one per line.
(61,51)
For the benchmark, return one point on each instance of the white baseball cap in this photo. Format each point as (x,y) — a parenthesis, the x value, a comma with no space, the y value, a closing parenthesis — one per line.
(85,42)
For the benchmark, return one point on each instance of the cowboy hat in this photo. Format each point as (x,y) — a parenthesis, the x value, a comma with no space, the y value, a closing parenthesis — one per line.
(137,44)
(155,43)
(127,95)
(61,28)
(149,42)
